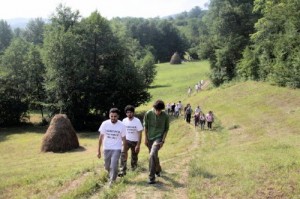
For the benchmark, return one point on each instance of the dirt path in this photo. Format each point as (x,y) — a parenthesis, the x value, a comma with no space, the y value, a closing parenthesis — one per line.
(172,183)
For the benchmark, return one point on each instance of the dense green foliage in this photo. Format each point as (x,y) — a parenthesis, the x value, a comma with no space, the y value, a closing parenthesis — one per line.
(275,51)
(77,67)
(162,35)
(229,25)
(84,66)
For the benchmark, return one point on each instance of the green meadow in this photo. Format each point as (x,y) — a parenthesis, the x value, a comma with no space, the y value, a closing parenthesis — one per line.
(253,150)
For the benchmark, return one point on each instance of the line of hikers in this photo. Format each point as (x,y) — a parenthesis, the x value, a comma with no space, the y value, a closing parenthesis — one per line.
(199,117)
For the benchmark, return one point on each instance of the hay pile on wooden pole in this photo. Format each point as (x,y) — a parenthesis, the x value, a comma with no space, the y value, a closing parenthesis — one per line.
(175,59)
(60,135)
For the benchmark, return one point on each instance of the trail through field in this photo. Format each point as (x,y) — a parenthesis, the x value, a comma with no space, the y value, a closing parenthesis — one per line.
(171,184)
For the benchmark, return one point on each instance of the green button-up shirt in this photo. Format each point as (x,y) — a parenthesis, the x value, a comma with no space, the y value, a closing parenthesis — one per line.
(156,125)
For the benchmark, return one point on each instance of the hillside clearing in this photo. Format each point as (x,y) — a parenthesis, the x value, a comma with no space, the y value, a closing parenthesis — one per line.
(252,152)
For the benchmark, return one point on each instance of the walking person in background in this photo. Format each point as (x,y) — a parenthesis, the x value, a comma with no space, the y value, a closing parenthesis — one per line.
(169,108)
(156,124)
(189,91)
(112,136)
(196,118)
(209,119)
(134,130)
(176,111)
(180,107)
(188,113)
(196,88)
(202,120)
(173,108)
(197,110)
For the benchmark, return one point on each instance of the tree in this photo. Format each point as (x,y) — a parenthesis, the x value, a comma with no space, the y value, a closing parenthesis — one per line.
(35,78)
(160,36)
(34,31)
(6,36)
(88,70)
(275,44)
(113,79)
(148,69)
(13,83)
(230,23)
(65,73)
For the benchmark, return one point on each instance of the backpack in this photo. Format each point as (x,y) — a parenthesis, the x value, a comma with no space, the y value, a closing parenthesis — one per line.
(202,117)
(188,110)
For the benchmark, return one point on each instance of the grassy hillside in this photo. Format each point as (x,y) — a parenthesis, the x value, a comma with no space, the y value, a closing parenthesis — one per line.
(256,152)
(252,152)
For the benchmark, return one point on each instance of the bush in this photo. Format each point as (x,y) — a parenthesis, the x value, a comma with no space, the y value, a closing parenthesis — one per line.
(11,111)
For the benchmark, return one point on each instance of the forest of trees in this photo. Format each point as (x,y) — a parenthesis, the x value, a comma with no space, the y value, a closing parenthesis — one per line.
(83,66)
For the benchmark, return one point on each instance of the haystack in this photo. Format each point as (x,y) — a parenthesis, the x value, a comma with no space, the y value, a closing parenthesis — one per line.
(175,59)
(60,135)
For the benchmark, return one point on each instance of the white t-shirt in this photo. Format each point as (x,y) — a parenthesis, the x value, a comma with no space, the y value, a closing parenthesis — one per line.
(113,133)
(132,128)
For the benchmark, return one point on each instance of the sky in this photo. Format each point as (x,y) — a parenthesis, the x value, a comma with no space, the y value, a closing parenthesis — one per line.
(10,9)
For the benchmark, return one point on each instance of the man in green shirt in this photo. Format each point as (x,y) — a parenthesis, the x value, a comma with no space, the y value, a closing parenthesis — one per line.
(156,125)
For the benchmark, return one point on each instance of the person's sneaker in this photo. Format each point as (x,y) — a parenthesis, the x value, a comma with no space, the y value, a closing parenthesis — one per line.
(133,168)
(151,181)
(121,174)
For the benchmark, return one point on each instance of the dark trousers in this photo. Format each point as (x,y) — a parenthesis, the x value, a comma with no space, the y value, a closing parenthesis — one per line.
(209,124)
(202,123)
(134,157)
(188,118)
(154,165)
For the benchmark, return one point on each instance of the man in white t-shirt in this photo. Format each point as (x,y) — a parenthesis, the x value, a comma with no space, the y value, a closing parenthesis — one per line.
(134,130)
(112,136)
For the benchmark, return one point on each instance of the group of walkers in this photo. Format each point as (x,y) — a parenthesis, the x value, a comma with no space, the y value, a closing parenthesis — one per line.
(118,137)
(174,109)
(200,119)
(198,87)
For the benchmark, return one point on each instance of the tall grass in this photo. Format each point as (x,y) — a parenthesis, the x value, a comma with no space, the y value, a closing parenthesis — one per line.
(256,155)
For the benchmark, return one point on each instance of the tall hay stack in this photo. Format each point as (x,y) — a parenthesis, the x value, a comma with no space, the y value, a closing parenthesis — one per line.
(60,135)
(175,59)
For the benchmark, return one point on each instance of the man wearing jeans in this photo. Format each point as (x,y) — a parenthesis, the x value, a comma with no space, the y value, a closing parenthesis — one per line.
(156,124)
(112,134)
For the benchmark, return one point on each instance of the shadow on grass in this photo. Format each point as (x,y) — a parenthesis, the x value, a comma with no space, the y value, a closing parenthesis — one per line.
(159,86)
(4,132)
(199,172)
(159,183)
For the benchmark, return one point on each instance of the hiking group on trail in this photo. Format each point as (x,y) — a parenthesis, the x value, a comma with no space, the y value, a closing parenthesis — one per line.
(118,137)
(200,119)
(198,87)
